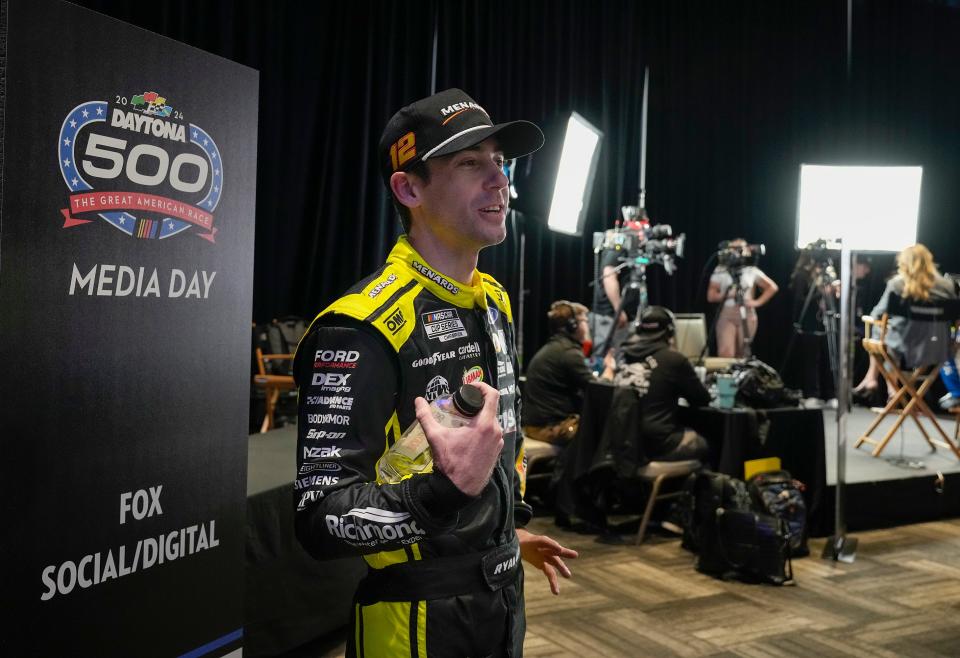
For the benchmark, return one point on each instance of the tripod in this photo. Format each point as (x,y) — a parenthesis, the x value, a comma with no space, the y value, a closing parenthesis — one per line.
(828,316)
(637,285)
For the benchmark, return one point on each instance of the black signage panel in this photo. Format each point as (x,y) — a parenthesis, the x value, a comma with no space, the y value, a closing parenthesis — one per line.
(126,263)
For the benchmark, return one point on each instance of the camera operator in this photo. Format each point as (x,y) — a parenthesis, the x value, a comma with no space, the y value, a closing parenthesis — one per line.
(557,376)
(733,282)
(811,308)
(614,285)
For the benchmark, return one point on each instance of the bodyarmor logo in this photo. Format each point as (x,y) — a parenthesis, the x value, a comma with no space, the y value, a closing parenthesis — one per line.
(372,525)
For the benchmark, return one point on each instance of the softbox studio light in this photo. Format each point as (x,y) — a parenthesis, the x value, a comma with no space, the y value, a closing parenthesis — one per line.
(555,183)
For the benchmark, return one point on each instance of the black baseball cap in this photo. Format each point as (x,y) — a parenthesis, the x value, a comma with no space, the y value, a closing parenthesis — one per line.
(655,319)
(445,123)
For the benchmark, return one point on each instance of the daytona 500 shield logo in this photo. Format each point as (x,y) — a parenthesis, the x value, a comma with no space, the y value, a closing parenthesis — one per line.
(137,165)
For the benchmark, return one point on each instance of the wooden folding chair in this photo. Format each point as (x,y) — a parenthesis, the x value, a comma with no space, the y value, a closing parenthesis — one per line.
(909,387)
(272,384)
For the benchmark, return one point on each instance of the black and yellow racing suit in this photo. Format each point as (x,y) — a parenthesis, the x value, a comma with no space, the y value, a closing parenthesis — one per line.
(444,573)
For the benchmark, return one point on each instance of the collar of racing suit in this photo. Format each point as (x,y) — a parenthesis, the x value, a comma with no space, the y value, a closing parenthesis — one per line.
(451,290)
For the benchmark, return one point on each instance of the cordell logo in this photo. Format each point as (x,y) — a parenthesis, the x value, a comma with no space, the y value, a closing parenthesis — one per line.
(474,374)
(469,350)
(335,359)
(321,453)
(372,525)
(328,419)
(433,359)
(377,289)
(439,279)
(134,163)
(395,321)
(323,434)
(333,382)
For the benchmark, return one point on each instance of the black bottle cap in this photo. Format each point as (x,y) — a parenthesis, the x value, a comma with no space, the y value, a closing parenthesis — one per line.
(468,400)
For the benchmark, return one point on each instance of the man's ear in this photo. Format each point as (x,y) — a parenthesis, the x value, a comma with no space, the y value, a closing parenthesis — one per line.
(406,188)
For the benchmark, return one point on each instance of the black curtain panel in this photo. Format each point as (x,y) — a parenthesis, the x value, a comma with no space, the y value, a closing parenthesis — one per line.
(741,93)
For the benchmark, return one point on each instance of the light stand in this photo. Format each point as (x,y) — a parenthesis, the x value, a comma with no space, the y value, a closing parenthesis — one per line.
(840,547)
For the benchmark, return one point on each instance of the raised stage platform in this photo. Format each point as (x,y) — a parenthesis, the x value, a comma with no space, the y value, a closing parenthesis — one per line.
(907,484)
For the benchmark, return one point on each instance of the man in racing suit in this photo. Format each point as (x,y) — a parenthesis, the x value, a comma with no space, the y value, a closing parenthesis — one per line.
(443,548)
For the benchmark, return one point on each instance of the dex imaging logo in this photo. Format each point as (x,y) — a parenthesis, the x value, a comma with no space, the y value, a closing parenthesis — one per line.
(135,163)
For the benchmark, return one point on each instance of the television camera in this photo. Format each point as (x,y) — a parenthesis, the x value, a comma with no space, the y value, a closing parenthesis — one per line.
(735,255)
(642,243)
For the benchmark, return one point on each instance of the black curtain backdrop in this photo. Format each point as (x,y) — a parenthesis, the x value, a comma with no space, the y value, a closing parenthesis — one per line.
(741,94)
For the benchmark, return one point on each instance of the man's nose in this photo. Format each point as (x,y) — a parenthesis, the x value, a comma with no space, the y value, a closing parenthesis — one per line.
(497,179)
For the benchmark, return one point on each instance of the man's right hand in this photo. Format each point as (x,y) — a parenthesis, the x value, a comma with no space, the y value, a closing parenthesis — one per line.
(621,320)
(466,455)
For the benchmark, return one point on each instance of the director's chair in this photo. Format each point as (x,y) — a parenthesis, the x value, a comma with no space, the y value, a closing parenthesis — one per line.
(926,347)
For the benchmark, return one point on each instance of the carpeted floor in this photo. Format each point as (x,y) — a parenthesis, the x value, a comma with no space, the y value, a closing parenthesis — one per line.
(900,598)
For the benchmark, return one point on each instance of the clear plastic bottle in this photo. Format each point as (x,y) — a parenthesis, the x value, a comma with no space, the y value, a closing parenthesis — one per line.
(411,453)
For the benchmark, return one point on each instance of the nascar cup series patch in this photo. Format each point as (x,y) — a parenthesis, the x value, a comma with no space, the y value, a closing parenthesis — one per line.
(138,165)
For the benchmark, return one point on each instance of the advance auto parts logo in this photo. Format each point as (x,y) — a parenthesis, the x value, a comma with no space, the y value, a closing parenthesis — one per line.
(137,165)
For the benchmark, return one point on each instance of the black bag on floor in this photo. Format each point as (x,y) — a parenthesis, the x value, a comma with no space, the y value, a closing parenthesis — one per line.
(706,492)
(777,494)
(729,538)
(755,547)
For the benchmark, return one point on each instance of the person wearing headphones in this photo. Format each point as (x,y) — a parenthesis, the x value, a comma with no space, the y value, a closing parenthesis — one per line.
(557,376)
(663,376)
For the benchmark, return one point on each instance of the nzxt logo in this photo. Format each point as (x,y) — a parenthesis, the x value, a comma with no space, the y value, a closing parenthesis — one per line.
(321,453)
(395,321)
(377,289)
(323,434)
(371,526)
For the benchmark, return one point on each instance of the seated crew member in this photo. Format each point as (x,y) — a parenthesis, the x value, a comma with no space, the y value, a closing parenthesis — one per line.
(557,376)
(731,340)
(663,375)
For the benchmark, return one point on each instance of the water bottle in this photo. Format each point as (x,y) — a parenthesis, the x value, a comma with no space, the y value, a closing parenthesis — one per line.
(411,453)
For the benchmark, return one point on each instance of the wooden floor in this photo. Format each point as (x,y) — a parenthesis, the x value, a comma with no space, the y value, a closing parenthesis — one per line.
(900,598)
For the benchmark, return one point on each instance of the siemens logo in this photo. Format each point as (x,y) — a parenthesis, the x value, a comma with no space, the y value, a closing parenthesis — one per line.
(316,481)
